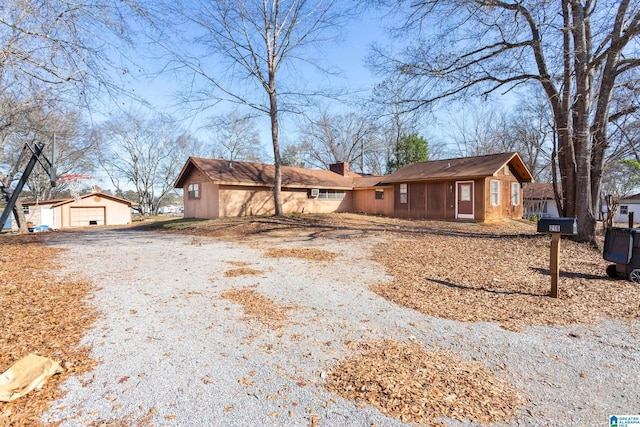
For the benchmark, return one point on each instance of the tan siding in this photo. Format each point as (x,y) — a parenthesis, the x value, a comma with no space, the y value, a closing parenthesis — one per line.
(243,201)
(115,213)
(364,201)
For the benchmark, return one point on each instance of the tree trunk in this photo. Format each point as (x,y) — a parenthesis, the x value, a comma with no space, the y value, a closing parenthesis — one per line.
(581,128)
(277,161)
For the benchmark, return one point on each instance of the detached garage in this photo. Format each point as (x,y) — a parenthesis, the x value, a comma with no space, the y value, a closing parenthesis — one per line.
(93,209)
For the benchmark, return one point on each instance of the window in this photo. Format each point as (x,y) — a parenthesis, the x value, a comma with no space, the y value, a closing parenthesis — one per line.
(379,194)
(624,210)
(331,194)
(403,193)
(515,194)
(194,191)
(495,192)
(25,209)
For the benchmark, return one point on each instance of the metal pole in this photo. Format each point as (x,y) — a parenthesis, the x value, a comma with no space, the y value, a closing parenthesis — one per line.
(21,182)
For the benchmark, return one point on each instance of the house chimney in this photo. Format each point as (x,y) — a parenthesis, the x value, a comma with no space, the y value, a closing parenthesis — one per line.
(341,168)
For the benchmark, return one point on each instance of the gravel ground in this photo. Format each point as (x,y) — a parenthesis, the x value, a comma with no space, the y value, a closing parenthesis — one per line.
(172,352)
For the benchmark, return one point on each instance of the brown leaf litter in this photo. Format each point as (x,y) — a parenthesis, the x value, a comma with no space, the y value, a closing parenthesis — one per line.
(474,278)
(312,254)
(242,271)
(259,307)
(405,381)
(42,314)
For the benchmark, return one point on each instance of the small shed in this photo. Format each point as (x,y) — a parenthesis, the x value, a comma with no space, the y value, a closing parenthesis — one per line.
(93,209)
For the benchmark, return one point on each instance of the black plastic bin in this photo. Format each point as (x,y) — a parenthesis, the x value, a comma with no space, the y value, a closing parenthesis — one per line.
(622,246)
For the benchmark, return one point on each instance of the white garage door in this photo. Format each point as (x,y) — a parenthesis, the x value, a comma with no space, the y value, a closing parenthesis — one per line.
(82,217)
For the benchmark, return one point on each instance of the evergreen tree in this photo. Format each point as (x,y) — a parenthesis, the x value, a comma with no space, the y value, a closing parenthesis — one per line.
(410,148)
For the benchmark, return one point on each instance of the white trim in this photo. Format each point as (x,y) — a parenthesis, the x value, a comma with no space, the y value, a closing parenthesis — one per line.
(515,185)
(491,192)
(466,216)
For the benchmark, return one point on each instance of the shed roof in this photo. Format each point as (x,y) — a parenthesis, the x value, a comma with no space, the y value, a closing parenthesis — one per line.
(259,174)
(461,168)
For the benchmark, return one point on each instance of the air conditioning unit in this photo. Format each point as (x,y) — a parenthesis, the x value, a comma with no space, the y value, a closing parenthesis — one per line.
(315,192)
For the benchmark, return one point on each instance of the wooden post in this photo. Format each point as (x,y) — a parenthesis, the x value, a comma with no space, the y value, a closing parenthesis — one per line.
(554,263)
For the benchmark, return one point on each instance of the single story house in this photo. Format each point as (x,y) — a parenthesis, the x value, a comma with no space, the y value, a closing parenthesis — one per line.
(626,206)
(88,210)
(478,188)
(539,200)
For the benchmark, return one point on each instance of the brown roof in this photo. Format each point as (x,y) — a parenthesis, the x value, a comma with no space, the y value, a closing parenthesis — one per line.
(59,202)
(460,168)
(538,191)
(44,202)
(258,174)
(369,181)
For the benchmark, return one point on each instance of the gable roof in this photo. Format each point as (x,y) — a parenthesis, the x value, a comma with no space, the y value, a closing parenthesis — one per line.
(60,202)
(99,194)
(460,168)
(226,172)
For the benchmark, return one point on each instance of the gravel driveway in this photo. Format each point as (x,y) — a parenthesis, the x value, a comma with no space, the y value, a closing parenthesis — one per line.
(173,352)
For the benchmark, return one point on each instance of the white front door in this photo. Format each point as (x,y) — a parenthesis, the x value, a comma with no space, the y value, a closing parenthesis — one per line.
(46,217)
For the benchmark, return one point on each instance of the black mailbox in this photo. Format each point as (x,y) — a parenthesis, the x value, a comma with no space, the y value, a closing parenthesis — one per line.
(566,226)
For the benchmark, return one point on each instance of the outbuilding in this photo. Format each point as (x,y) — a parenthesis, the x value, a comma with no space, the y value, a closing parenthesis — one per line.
(93,209)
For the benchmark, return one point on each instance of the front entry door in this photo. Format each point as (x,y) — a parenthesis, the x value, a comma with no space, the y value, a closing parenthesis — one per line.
(465,200)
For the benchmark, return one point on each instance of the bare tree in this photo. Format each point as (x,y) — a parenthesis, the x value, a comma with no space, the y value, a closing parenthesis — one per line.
(51,51)
(338,138)
(257,42)
(146,153)
(581,54)
(236,138)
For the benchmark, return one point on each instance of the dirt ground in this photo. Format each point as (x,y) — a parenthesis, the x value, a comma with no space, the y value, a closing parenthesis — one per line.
(473,273)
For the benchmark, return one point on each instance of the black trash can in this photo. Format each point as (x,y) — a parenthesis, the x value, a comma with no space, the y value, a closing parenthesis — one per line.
(622,246)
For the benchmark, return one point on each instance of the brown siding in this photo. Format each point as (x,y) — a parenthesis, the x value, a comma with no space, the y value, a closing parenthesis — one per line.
(505,209)
(436,200)
(450,200)
(364,201)
(479,210)
(417,200)
(400,210)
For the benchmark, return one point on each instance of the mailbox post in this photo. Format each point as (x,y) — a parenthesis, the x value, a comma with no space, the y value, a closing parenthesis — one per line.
(556,227)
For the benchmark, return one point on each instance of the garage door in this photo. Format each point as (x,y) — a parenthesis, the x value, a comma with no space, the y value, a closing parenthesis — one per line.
(82,217)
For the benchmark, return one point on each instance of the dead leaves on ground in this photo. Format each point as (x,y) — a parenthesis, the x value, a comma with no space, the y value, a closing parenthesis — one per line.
(258,307)
(405,381)
(504,280)
(41,314)
(301,253)
(242,271)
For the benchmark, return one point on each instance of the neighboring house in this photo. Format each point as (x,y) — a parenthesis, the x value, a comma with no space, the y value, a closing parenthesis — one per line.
(540,201)
(88,210)
(626,206)
(480,188)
